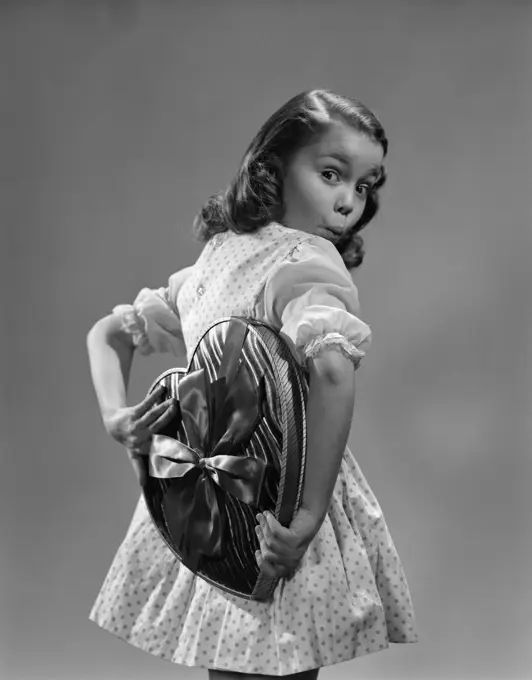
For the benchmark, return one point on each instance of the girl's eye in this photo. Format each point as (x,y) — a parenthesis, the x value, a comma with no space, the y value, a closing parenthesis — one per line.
(330,172)
(365,189)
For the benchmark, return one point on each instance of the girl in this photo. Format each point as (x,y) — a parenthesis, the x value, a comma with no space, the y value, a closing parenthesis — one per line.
(279,246)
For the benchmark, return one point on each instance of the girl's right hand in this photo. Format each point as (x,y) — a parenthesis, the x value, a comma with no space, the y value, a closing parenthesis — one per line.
(134,427)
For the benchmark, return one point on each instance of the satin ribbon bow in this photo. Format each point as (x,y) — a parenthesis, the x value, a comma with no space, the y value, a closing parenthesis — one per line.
(218,419)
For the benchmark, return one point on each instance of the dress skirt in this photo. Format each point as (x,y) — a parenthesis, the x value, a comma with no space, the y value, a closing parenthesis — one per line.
(349,596)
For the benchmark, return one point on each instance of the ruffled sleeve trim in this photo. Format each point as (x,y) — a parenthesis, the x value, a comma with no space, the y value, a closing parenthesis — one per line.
(335,341)
(153,321)
(313,301)
(135,326)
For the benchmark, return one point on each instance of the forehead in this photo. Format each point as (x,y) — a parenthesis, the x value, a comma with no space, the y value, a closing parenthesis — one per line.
(354,146)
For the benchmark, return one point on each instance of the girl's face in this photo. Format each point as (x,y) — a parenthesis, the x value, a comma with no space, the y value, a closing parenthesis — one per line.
(326,183)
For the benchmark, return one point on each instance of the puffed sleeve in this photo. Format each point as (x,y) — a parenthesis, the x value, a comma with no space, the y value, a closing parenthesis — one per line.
(152,321)
(313,300)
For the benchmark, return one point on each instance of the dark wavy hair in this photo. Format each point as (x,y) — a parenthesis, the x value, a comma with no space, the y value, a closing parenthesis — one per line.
(255,195)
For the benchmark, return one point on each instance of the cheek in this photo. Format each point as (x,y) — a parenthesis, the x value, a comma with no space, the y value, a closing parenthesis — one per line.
(312,193)
(298,195)
(358,210)
(305,194)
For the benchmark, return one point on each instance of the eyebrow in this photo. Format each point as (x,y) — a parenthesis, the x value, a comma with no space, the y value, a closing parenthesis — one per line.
(376,171)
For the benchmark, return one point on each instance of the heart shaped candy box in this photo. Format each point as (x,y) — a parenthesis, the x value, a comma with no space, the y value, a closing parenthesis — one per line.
(235,447)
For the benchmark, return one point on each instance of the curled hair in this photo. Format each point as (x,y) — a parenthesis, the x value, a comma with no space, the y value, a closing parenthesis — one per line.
(255,195)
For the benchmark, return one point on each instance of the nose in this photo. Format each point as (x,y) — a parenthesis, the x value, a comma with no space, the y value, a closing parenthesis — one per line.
(345,203)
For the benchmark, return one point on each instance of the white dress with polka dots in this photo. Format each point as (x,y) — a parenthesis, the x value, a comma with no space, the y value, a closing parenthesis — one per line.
(349,595)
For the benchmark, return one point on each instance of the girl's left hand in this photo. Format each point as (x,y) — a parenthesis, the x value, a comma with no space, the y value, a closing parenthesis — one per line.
(281,548)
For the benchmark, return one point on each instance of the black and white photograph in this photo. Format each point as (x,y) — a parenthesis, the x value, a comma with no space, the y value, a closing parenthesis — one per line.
(267,382)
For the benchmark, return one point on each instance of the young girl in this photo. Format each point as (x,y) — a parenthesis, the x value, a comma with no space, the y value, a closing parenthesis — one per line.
(279,246)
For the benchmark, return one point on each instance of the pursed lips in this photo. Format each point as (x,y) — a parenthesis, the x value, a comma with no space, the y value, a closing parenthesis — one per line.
(334,230)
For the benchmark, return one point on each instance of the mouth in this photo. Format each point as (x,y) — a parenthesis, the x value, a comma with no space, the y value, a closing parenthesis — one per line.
(335,231)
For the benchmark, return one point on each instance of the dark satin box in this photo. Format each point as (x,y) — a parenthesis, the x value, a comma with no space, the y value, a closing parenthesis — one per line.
(235,447)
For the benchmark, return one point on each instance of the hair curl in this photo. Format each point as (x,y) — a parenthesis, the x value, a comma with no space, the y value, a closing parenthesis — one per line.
(255,195)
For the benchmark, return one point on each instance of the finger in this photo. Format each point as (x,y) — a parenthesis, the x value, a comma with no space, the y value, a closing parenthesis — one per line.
(265,535)
(271,526)
(273,534)
(164,419)
(149,401)
(272,570)
(268,544)
(267,568)
(260,536)
(260,562)
(286,540)
(146,416)
(274,527)
(147,420)
(280,561)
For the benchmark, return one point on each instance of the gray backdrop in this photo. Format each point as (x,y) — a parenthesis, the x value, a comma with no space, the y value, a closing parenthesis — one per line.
(119,119)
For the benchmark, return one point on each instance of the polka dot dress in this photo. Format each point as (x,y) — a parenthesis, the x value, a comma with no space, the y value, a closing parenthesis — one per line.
(349,596)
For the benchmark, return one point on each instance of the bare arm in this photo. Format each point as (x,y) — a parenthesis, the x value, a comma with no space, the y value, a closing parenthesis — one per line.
(330,405)
(110,357)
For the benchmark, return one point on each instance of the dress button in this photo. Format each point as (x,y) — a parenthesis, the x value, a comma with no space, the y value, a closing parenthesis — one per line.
(200,290)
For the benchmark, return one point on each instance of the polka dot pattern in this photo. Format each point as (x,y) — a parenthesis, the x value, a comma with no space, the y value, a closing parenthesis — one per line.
(349,596)
(229,275)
